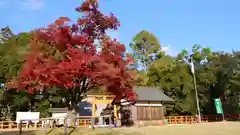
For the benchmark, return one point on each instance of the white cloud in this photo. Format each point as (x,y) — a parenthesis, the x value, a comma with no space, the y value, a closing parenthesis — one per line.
(168,49)
(32,4)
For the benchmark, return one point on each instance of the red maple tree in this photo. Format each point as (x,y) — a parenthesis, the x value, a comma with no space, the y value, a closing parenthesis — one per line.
(66,55)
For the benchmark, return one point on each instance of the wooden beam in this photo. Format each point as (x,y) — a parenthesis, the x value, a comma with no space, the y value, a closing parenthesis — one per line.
(115,111)
(93,109)
(100,101)
(111,96)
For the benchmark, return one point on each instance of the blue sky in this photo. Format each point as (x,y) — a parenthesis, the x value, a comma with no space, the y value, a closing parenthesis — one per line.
(177,23)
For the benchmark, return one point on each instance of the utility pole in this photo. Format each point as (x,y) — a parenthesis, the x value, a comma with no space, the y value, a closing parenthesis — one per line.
(195,87)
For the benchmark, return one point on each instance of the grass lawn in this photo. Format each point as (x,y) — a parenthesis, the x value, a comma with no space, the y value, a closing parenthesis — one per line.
(227,128)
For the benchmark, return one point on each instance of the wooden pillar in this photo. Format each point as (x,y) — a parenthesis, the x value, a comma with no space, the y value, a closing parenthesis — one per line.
(2,125)
(35,125)
(10,125)
(93,109)
(27,124)
(115,111)
(162,112)
(134,113)
(149,109)
(110,120)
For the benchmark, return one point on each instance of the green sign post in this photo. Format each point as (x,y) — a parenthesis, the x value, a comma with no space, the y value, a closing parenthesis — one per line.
(218,105)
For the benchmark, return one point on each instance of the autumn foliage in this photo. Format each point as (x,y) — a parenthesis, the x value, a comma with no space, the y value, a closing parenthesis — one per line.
(65,54)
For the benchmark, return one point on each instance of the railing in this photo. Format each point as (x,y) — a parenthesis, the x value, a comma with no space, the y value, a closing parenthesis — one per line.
(86,121)
(204,118)
(78,121)
(181,119)
(13,125)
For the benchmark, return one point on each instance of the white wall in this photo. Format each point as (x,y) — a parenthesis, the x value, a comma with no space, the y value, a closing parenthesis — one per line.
(34,116)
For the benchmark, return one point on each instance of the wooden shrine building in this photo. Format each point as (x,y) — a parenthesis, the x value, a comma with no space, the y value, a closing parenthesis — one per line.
(148,106)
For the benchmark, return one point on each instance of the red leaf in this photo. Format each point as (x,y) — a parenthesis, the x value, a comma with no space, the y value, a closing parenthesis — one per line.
(61,55)
(66,19)
(62,20)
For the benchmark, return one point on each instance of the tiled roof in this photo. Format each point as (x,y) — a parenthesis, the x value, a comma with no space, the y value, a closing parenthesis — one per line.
(143,93)
(150,94)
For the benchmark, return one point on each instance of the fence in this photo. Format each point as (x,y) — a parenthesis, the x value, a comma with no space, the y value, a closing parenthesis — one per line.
(14,125)
(82,121)
(204,118)
(78,121)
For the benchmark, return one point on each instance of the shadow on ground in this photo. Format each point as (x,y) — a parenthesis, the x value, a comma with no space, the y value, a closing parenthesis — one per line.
(112,132)
(34,133)
(118,133)
(17,133)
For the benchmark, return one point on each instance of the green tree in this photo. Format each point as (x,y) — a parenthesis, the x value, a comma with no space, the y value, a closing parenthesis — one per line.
(215,73)
(5,34)
(215,78)
(174,78)
(12,53)
(145,47)
(232,93)
(12,49)
(142,79)
(205,76)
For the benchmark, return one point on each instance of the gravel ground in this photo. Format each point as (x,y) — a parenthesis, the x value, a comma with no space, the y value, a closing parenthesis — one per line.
(221,128)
